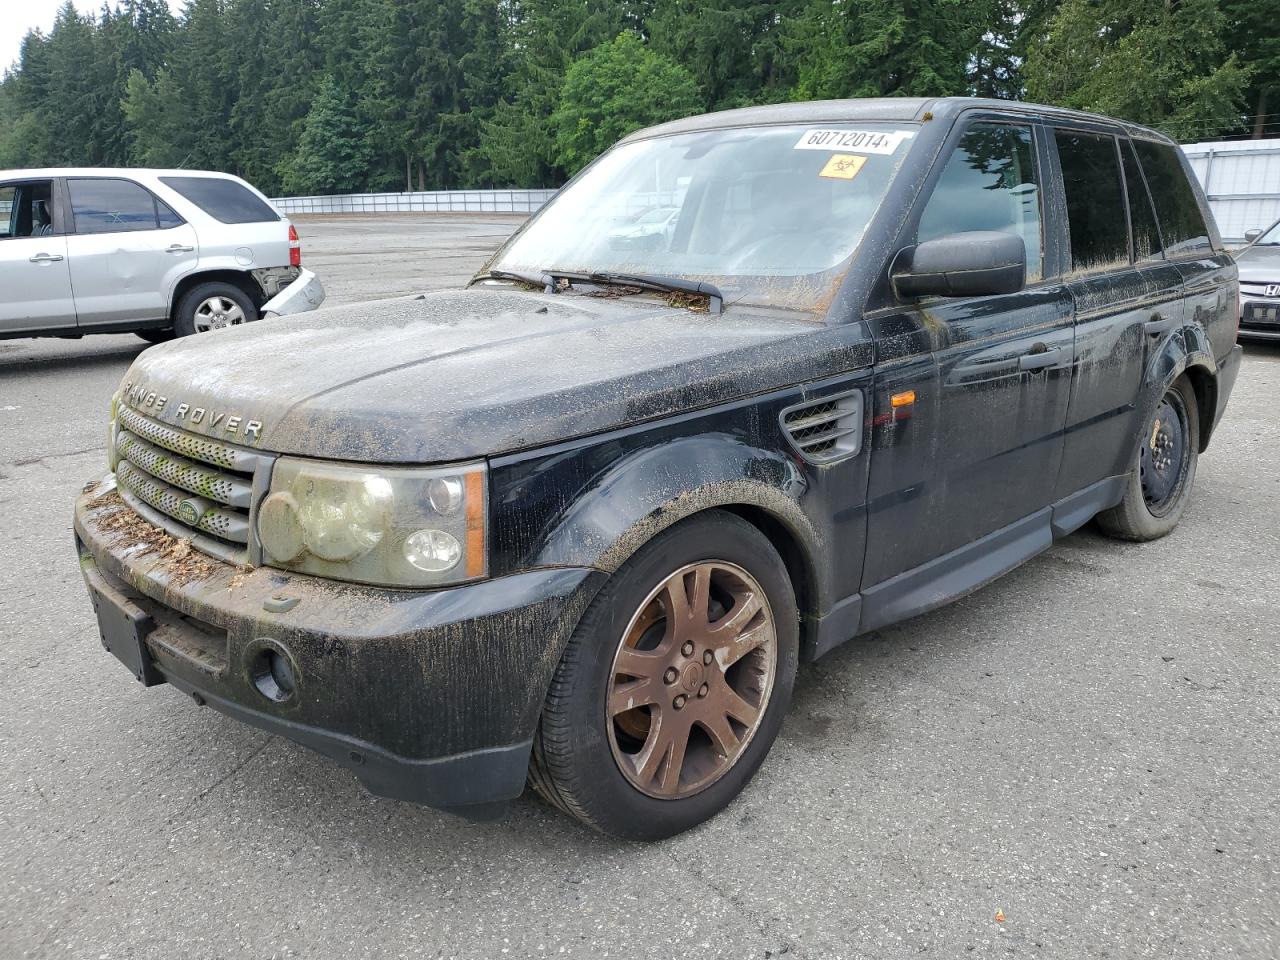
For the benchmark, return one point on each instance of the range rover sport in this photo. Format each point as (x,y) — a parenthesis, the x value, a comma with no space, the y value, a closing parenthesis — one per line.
(577,524)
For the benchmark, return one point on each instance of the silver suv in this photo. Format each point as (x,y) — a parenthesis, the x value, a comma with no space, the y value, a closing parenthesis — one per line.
(162,253)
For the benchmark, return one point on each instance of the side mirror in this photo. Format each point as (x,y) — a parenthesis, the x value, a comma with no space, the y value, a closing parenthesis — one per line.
(1251,235)
(977,264)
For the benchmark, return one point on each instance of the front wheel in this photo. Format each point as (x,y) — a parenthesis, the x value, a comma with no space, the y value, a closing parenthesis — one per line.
(673,687)
(1159,486)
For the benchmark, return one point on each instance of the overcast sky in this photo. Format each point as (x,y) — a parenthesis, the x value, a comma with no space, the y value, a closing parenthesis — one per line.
(19,16)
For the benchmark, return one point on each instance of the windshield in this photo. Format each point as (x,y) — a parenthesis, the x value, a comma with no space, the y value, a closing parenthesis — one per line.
(770,215)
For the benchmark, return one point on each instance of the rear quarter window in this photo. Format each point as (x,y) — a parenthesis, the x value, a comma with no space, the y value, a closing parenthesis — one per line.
(1182,224)
(223,199)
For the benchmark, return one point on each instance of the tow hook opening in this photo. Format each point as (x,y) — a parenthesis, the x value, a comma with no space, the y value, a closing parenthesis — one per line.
(273,674)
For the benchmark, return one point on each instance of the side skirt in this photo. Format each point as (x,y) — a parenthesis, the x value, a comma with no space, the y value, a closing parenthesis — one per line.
(961,572)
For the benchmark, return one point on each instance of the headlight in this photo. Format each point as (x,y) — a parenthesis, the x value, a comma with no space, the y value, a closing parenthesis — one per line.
(392,526)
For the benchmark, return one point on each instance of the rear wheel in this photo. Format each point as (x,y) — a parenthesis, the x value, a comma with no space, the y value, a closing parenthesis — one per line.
(1159,486)
(674,685)
(212,306)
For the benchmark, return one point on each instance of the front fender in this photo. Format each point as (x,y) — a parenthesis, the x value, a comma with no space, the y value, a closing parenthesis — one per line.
(641,495)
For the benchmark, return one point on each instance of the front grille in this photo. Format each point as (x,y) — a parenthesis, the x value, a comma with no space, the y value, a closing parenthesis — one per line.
(202,488)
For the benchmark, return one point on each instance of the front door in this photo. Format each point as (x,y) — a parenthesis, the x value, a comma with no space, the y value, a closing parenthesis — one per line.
(127,251)
(35,283)
(976,417)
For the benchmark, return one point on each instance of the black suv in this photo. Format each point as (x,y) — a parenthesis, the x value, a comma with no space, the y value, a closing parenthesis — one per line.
(579,522)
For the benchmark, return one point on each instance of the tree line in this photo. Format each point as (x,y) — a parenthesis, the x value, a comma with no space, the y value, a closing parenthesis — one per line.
(321,96)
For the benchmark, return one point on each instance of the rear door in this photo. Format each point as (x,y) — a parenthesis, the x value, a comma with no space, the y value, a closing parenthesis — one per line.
(127,251)
(991,423)
(35,282)
(1192,244)
(1128,298)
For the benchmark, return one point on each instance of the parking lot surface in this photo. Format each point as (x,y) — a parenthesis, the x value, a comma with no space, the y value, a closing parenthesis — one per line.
(1086,749)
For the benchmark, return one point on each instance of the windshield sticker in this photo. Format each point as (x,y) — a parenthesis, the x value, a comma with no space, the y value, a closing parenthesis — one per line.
(842,166)
(864,141)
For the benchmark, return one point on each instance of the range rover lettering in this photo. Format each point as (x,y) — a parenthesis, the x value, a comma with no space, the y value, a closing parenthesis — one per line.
(577,524)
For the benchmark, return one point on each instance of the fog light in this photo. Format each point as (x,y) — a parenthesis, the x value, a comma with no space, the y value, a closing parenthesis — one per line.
(273,675)
(432,550)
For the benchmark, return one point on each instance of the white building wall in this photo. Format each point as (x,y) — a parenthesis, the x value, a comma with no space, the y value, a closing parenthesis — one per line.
(1242,181)
(430,201)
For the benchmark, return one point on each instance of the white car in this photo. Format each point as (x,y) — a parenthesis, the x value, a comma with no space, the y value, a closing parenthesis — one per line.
(161,253)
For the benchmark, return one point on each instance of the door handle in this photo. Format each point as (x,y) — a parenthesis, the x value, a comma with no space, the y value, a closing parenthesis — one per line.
(46,258)
(1158,325)
(179,248)
(1041,357)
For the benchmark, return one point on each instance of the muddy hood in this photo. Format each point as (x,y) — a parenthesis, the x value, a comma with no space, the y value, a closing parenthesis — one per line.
(469,373)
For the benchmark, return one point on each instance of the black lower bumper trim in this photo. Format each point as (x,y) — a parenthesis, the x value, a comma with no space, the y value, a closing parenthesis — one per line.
(477,784)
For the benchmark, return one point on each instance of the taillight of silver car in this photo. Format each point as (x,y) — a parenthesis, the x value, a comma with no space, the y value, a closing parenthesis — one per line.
(295,247)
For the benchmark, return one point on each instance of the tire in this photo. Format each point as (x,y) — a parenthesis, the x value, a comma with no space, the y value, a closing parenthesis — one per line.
(589,748)
(156,336)
(212,306)
(1164,469)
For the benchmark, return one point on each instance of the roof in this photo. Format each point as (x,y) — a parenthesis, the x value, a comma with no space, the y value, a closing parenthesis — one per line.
(880,109)
(40,172)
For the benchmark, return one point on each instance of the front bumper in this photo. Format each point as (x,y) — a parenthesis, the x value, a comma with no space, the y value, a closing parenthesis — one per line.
(305,293)
(428,696)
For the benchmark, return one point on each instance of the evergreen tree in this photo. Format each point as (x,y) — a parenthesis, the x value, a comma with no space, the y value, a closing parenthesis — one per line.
(1253,32)
(333,154)
(877,48)
(1162,64)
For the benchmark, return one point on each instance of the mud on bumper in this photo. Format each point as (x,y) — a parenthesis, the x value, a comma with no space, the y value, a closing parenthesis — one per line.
(430,697)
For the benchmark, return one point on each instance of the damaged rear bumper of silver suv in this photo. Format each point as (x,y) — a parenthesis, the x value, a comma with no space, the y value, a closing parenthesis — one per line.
(303,294)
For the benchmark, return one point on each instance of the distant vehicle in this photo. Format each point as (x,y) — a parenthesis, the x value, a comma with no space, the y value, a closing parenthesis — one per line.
(162,253)
(1259,265)
(651,230)
(575,524)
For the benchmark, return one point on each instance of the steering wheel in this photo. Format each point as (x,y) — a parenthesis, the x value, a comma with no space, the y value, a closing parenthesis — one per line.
(789,249)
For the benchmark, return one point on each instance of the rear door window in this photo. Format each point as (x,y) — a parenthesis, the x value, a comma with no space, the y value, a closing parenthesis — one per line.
(1091,177)
(223,199)
(102,205)
(990,182)
(1182,223)
(1142,218)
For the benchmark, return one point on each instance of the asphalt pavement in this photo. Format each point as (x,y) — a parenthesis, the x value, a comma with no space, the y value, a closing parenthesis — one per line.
(1078,761)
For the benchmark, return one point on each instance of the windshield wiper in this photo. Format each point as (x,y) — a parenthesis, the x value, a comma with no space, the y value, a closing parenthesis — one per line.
(544,280)
(715,299)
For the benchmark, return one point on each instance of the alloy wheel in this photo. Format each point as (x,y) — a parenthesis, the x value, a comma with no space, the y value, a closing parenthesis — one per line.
(691,679)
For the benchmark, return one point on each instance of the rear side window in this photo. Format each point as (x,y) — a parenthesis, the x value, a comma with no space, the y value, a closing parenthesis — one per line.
(1142,219)
(1095,200)
(1181,223)
(111,206)
(989,183)
(223,199)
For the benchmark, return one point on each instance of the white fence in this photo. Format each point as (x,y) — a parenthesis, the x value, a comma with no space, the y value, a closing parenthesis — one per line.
(428,201)
(1242,180)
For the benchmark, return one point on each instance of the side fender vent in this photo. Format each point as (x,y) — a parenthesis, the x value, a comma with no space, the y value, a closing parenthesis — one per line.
(828,430)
